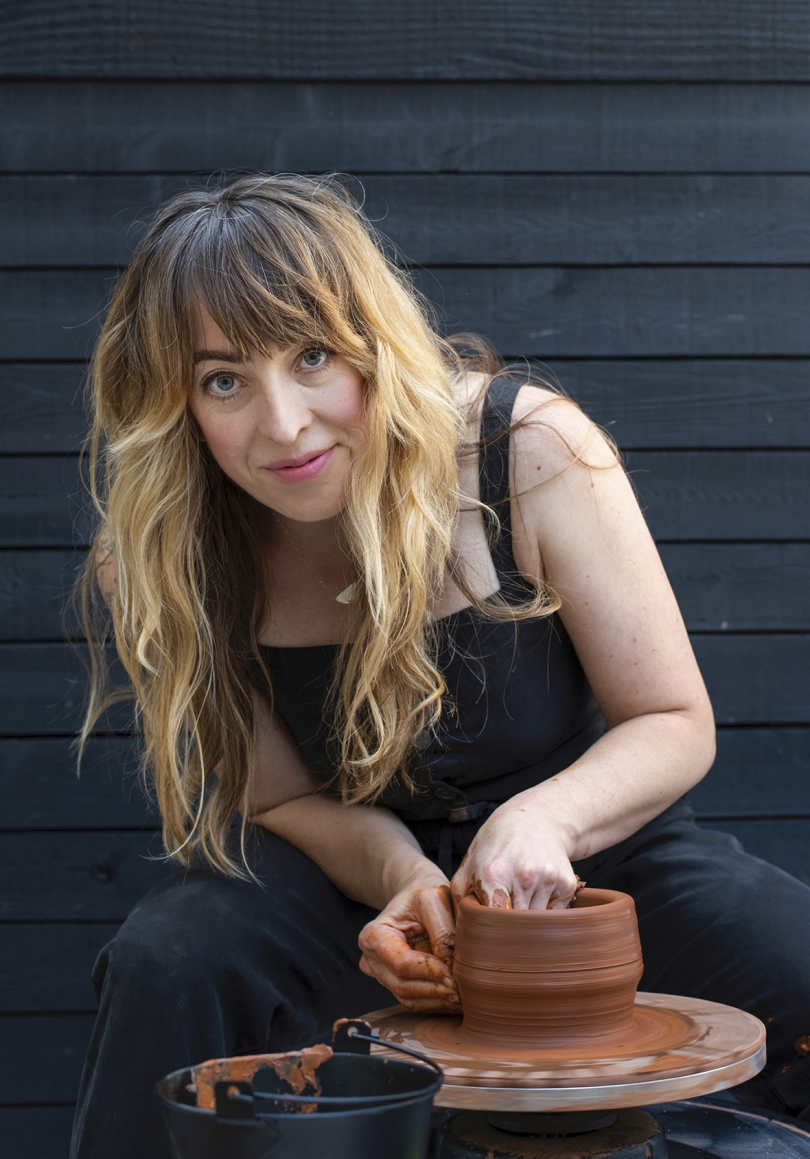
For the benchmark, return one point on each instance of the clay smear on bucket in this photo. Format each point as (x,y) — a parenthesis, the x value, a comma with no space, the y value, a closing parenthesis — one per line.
(296,1067)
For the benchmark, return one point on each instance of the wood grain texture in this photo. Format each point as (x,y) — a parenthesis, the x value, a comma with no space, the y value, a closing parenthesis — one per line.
(182,128)
(34,590)
(685,495)
(53,315)
(455,219)
(694,403)
(783,843)
(630,311)
(41,407)
(759,772)
(548,312)
(41,789)
(44,687)
(756,679)
(723,494)
(43,502)
(42,1059)
(760,678)
(77,876)
(425,39)
(643,402)
(38,1131)
(47,968)
(741,587)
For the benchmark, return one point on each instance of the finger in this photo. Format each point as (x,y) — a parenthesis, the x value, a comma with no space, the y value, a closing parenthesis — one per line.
(494,896)
(561,901)
(436,912)
(488,893)
(408,990)
(460,886)
(556,895)
(450,1007)
(387,946)
(422,945)
(411,989)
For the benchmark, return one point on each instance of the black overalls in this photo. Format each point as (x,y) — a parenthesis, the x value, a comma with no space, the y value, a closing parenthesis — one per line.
(206,966)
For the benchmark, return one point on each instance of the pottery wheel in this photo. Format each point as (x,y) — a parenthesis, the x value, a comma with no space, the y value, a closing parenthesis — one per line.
(677,1048)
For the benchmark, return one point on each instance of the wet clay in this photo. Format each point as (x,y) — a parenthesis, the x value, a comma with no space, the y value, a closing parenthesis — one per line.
(296,1067)
(669,1039)
(550,1002)
(533,979)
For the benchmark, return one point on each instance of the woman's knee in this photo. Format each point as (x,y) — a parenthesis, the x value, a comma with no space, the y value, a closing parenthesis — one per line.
(174,940)
(291,929)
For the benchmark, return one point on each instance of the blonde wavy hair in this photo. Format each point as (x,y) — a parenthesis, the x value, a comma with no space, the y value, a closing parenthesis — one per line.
(276,261)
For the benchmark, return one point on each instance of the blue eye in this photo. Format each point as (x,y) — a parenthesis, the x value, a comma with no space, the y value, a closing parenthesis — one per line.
(221,384)
(314,358)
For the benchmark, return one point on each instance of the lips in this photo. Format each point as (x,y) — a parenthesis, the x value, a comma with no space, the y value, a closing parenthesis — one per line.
(301,461)
(302,468)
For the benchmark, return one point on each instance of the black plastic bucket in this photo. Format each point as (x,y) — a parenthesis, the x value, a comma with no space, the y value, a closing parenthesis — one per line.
(368,1108)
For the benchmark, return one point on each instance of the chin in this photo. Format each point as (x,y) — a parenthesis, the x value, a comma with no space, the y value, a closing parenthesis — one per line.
(304,512)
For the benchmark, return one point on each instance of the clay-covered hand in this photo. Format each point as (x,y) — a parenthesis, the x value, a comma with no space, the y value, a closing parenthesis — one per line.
(420,978)
(517,860)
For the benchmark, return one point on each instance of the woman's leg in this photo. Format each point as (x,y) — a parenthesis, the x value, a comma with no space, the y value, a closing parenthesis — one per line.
(206,966)
(716,923)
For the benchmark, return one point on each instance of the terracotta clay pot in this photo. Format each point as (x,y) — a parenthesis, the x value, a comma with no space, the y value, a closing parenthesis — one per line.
(549,977)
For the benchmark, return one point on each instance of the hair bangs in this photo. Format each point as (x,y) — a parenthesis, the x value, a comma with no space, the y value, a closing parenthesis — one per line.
(274,287)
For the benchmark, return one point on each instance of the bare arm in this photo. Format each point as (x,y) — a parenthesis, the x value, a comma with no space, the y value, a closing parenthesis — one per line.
(366,851)
(372,857)
(584,533)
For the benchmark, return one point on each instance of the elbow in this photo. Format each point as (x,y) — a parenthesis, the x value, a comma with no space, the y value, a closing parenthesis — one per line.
(704,739)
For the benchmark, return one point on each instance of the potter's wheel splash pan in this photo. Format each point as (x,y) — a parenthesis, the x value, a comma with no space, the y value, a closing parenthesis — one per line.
(703,1047)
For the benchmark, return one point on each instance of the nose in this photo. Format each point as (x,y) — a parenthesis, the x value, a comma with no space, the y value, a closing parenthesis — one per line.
(284,411)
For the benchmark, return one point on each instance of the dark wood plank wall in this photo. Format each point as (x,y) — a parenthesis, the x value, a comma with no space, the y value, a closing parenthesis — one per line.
(649,241)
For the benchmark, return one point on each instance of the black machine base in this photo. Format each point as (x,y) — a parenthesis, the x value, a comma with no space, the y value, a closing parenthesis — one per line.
(625,1134)
(704,1128)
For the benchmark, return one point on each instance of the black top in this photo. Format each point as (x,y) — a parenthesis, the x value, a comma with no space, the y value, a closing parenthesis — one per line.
(525,710)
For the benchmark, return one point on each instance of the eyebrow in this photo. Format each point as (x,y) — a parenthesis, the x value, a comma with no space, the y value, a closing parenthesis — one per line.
(216,356)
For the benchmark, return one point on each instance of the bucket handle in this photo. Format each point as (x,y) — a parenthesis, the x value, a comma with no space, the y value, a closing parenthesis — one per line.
(350,1031)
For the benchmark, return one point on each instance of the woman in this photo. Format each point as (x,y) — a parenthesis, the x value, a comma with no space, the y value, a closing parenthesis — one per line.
(397,633)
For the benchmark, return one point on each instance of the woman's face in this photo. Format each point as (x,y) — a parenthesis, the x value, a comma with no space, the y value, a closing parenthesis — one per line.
(283,427)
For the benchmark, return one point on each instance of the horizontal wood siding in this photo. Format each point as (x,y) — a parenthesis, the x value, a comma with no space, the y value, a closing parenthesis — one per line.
(648,242)
(455,219)
(201,128)
(37,1130)
(546,312)
(424,39)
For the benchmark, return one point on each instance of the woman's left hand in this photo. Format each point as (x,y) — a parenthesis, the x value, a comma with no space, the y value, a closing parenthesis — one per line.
(518,860)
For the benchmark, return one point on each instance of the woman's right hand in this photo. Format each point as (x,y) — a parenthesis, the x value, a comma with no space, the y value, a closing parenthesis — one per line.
(421,913)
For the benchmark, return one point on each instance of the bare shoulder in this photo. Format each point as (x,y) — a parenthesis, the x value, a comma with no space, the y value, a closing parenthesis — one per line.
(567,485)
(552,435)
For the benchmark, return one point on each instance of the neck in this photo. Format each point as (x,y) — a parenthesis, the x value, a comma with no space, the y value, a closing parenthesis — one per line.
(323,538)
